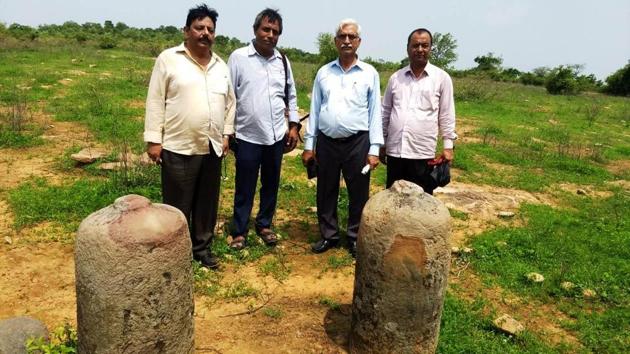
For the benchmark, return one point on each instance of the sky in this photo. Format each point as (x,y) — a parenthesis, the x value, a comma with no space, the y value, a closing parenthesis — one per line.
(526,34)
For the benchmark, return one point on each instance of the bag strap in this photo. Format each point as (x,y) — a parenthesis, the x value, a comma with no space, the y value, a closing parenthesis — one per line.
(286,80)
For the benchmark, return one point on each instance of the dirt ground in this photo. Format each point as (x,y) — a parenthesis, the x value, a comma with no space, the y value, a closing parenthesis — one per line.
(37,275)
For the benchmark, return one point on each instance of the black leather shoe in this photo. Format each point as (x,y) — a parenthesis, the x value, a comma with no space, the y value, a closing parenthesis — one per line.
(207,260)
(352,248)
(323,245)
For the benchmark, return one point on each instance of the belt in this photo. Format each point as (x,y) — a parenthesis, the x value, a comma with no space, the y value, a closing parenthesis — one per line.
(345,138)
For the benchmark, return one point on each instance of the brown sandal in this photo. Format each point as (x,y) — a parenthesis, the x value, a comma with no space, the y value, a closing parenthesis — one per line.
(268,236)
(238,243)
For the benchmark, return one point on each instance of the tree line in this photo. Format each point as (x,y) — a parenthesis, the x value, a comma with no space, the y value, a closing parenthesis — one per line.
(562,79)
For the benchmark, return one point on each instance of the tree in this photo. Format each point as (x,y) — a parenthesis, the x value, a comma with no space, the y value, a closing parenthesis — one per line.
(488,62)
(443,50)
(326,45)
(619,82)
(562,80)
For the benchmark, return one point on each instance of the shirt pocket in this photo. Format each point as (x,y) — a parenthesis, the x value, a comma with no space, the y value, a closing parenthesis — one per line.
(358,93)
(427,100)
(218,86)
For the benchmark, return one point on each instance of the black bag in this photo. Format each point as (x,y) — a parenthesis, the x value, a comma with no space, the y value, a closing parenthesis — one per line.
(441,173)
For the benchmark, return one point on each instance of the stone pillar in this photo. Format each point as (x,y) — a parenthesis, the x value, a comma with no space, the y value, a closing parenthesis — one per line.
(134,280)
(402,264)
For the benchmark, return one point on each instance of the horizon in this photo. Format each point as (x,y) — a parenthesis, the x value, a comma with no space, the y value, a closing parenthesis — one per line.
(521,34)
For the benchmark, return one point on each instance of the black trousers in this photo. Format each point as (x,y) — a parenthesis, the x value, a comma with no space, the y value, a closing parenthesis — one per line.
(334,156)
(192,184)
(413,170)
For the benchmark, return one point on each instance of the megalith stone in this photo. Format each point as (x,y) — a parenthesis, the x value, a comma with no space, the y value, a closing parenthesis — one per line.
(134,280)
(403,260)
(14,332)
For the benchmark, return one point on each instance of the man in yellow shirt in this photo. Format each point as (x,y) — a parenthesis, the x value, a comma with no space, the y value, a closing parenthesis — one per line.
(189,114)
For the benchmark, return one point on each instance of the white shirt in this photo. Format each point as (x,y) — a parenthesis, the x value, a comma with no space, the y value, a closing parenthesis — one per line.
(189,106)
(415,110)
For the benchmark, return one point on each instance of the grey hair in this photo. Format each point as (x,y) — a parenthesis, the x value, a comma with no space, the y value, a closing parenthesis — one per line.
(348,22)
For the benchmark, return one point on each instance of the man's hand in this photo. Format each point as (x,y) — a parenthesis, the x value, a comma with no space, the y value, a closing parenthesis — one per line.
(292,139)
(307,155)
(154,150)
(449,154)
(372,161)
(226,146)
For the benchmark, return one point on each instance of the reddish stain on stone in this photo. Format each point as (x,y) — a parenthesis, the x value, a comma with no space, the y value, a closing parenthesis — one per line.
(406,258)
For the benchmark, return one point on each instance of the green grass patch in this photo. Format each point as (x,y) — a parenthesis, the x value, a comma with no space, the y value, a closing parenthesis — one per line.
(466,329)
(37,200)
(586,245)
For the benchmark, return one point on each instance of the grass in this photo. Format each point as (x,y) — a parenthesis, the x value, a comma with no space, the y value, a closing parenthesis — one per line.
(330,303)
(586,245)
(37,200)
(276,267)
(466,329)
(273,312)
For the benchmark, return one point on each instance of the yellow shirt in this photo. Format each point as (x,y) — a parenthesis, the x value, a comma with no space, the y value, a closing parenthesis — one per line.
(189,106)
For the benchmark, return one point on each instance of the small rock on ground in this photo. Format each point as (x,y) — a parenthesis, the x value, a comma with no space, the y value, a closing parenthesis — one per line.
(15,331)
(88,155)
(506,214)
(508,324)
(535,277)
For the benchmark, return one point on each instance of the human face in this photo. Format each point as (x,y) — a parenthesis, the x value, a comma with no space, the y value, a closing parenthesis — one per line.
(267,35)
(200,34)
(419,49)
(347,41)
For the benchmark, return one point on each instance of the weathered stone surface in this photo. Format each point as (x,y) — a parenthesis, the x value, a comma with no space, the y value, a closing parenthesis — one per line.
(15,331)
(134,279)
(88,155)
(402,266)
(509,325)
(567,285)
(589,293)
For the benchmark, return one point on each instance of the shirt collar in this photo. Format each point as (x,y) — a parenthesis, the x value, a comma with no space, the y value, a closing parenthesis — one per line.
(182,49)
(429,69)
(251,50)
(359,64)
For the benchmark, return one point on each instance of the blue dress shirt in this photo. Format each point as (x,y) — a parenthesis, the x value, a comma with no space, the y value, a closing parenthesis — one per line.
(259,89)
(344,103)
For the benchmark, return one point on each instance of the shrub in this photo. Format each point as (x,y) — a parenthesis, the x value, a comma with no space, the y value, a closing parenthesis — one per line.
(619,82)
(562,81)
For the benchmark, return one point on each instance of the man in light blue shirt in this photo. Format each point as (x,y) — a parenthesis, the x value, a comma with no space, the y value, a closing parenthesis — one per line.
(264,101)
(344,135)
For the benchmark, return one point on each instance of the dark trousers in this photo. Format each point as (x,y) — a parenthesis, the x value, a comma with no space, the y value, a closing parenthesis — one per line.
(250,158)
(347,156)
(413,170)
(192,184)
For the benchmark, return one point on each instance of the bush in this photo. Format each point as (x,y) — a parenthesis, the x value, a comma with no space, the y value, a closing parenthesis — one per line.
(562,81)
(619,82)
(107,42)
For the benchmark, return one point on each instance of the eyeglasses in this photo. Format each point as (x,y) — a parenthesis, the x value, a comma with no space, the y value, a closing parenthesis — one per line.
(350,37)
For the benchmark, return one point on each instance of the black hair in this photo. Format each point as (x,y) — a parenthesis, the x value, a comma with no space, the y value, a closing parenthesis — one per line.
(200,12)
(420,30)
(271,15)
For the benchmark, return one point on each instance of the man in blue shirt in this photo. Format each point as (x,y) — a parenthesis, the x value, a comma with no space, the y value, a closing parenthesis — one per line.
(258,76)
(344,135)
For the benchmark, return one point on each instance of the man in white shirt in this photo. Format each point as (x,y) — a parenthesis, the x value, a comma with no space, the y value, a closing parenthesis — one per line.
(265,98)
(189,110)
(418,105)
